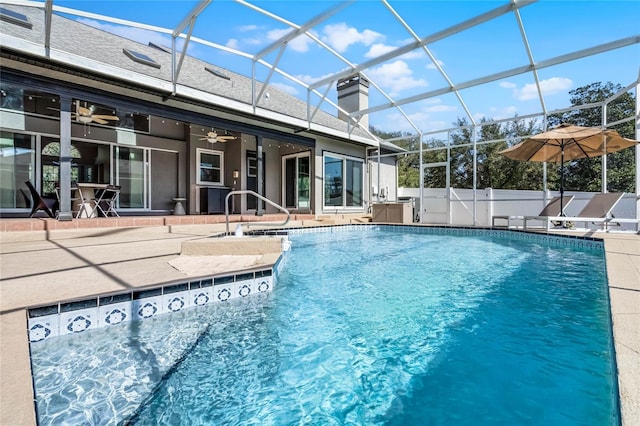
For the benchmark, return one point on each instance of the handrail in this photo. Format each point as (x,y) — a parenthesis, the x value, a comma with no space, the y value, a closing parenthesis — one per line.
(248,191)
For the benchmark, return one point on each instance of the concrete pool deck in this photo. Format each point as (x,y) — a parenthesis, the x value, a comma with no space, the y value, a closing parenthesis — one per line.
(40,267)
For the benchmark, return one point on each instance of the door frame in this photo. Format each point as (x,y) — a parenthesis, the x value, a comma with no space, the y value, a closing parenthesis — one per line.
(283,191)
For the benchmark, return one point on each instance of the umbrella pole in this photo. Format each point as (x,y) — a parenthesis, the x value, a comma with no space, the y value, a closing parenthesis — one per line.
(562,182)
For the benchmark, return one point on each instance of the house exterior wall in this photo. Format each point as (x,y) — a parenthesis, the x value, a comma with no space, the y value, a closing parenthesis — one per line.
(383,189)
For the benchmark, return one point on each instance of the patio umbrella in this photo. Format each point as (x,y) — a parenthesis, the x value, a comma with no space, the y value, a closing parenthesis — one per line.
(567,142)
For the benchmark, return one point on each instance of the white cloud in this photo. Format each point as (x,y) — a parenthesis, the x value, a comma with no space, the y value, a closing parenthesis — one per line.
(298,44)
(432,66)
(549,87)
(341,36)
(428,117)
(378,49)
(396,76)
(246,28)
(286,88)
(233,43)
(508,85)
(306,78)
(496,113)
(396,122)
(440,108)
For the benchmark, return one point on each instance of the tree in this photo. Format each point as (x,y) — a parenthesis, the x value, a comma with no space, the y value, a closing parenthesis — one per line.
(586,174)
(496,171)
(493,169)
(408,169)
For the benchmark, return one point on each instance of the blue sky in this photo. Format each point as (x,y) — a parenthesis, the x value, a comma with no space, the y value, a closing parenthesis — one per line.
(364,29)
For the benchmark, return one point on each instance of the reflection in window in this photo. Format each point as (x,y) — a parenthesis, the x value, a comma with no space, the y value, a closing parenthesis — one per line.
(343,181)
(210,166)
(17,159)
(30,101)
(51,166)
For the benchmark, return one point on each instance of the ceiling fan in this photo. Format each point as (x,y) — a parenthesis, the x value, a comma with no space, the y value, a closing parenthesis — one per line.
(213,137)
(86,115)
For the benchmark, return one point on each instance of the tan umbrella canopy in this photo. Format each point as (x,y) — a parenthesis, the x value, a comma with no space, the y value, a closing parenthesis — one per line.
(568,142)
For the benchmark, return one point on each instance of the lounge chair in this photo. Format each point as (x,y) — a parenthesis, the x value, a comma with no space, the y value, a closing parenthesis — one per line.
(551,209)
(49,205)
(597,210)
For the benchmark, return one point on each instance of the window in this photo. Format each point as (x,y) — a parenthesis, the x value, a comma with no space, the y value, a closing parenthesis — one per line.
(17,161)
(210,166)
(343,181)
(29,101)
(51,166)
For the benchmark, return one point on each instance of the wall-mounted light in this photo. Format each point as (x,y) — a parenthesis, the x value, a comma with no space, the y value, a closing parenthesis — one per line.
(236,174)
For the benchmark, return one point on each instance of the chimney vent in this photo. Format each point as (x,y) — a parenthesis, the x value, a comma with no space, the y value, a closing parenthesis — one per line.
(353,95)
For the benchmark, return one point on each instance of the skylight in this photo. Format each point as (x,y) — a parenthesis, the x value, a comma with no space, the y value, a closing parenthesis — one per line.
(140,58)
(15,18)
(159,47)
(217,73)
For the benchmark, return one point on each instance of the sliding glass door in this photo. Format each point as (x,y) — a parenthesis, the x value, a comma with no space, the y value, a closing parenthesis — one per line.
(296,181)
(131,173)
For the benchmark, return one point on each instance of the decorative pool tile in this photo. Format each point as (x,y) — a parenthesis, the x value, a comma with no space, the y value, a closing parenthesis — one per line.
(43,327)
(147,308)
(223,293)
(115,314)
(79,316)
(244,288)
(77,321)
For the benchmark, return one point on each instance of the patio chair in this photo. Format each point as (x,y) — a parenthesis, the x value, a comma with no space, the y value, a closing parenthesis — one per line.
(597,211)
(551,209)
(49,205)
(106,200)
(26,198)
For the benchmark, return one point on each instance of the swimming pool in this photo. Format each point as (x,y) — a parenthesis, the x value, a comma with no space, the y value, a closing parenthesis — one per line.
(370,325)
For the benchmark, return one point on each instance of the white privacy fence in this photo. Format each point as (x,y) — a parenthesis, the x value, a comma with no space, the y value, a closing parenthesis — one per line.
(461,206)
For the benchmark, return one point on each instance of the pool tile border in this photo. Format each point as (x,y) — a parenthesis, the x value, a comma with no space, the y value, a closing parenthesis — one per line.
(512,234)
(63,318)
(45,322)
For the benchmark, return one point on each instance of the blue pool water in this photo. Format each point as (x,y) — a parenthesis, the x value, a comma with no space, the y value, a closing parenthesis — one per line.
(376,327)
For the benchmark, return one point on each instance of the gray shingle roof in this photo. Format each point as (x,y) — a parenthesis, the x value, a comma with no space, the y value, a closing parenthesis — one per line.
(86,42)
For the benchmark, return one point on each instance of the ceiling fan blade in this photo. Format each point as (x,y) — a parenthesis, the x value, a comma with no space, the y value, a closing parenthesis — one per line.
(84,111)
(99,120)
(226,138)
(105,117)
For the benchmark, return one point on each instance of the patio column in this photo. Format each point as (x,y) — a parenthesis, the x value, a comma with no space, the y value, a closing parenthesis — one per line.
(259,178)
(65,213)
(637,148)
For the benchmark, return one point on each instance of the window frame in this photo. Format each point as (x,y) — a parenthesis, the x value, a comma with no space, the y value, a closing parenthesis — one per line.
(344,159)
(199,153)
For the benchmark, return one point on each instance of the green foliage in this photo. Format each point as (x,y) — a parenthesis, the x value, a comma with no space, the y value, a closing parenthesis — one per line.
(586,174)
(496,171)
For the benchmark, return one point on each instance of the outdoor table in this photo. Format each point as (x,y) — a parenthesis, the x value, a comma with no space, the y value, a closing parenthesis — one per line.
(87,202)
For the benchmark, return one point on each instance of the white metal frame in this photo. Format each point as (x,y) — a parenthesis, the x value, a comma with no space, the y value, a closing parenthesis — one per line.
(184,32)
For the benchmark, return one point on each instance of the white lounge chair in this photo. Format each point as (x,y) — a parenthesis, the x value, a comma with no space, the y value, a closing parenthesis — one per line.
(551,209)
(597,210)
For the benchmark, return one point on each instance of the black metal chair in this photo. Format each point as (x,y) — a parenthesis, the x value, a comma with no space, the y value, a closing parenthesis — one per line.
(49,205)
